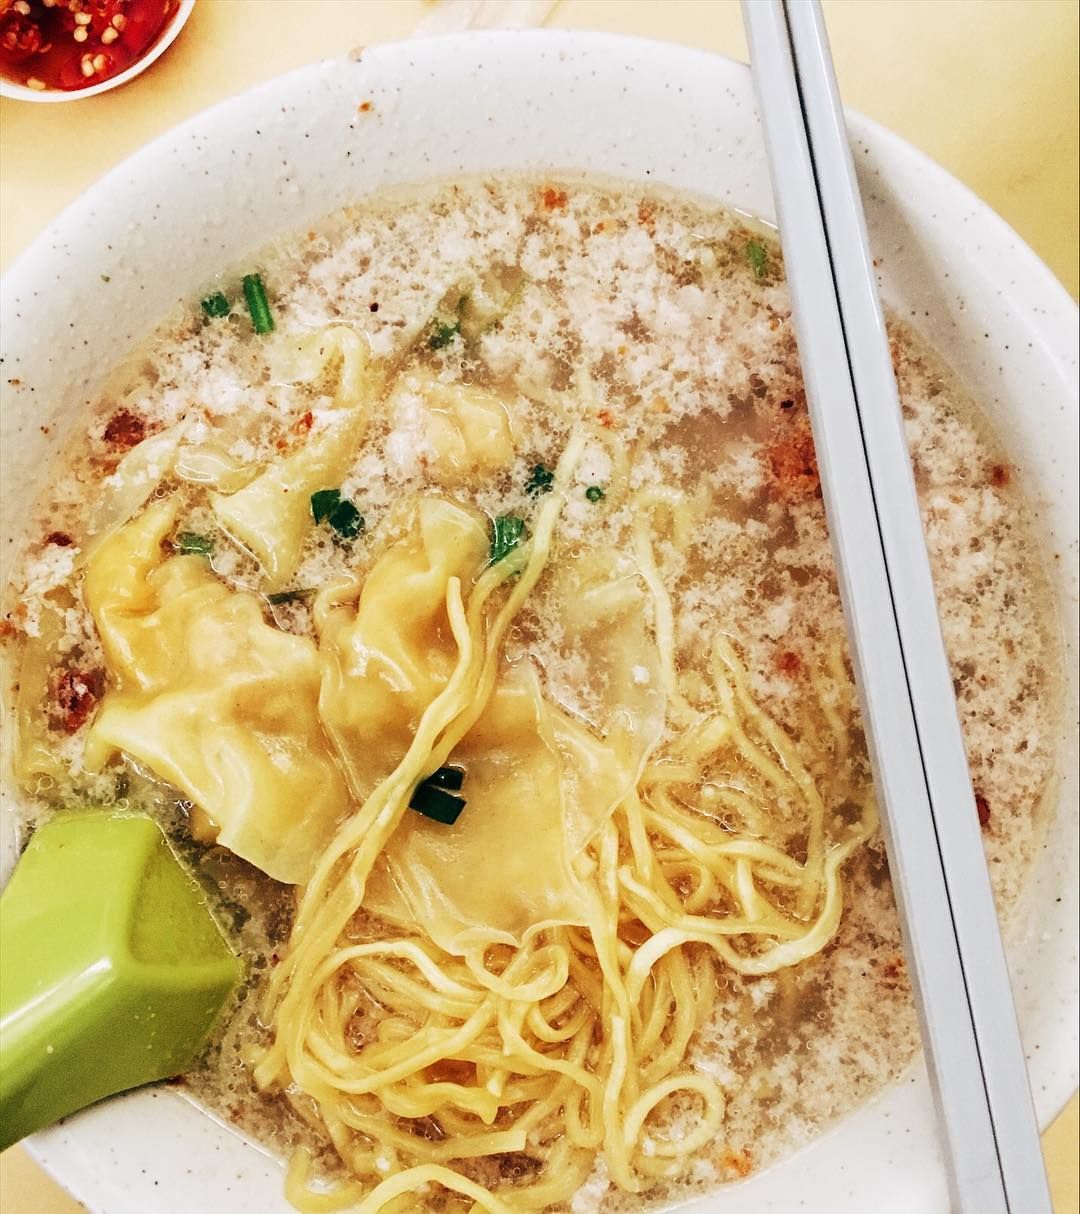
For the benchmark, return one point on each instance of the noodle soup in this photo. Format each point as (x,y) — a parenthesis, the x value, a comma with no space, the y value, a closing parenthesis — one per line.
(457,593)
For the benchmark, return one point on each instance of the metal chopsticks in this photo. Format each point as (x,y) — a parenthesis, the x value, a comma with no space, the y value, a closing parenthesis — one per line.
(924,789)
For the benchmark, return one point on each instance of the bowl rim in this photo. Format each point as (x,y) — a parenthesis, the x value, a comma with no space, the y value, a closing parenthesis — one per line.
(857,121)
(168,35)
(1038,278)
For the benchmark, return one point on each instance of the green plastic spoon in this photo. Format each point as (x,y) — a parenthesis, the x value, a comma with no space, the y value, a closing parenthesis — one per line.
(112,968)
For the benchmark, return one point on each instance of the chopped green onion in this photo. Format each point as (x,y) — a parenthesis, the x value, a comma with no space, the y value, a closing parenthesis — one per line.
(216,305)
(594,493)
(758,257)
(506,533)
(436,803)
(323,503)
(258,304)
(290,596)
(328,506)
(540,480)
(346,520)
(193,544)
(434,797)
(451,778)
(442,335)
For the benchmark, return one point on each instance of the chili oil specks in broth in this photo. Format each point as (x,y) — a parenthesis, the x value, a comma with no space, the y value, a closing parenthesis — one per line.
(503,323)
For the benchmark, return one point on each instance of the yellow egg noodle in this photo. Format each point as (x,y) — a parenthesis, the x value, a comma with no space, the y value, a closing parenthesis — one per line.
(530,978)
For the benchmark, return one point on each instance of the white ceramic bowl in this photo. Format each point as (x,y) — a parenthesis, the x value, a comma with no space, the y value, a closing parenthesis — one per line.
(293,149)
(19,92)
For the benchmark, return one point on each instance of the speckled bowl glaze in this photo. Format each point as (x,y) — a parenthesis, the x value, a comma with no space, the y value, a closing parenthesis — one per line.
(277,157)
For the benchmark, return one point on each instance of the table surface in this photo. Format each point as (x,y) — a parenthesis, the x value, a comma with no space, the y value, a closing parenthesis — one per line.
(988,88)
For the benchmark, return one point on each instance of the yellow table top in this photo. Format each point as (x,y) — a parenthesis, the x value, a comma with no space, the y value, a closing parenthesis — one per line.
(987,87)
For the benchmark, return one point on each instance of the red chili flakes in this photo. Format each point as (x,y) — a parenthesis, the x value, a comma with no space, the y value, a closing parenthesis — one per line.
(606,418)
(788,662)
(59,539)
(365,107)
(787,404)
(892,972)
(999,476)
(304,423)
(982,807)
(75,697)
(554,200)
(124,430)
(737,1161)
(793,465)
(20,37)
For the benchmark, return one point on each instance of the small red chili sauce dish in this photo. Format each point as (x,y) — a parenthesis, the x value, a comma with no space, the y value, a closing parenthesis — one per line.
(60,50)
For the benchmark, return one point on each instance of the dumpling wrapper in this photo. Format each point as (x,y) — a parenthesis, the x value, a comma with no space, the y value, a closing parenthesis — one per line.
(466,430)
(538,786)
(212,699)
(539,783)
(130,487)
(604,607)
(389,654)
(271,516)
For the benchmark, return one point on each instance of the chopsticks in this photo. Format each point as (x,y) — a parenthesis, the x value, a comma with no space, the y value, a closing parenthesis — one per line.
(930,823)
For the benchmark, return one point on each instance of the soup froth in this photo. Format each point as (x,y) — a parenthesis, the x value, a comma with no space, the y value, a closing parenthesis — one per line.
(686,599)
